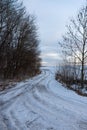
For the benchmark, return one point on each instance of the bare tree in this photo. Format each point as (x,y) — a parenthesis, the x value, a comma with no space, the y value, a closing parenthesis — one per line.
(19,52)
(75,41)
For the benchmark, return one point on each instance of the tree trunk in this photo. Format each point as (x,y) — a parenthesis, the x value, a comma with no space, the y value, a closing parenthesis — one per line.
(82,70)
(82,76)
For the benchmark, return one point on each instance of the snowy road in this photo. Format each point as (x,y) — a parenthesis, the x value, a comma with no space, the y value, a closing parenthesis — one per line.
(42,104)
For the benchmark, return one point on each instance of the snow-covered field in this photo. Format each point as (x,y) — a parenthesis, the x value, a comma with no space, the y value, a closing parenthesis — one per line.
(42,104)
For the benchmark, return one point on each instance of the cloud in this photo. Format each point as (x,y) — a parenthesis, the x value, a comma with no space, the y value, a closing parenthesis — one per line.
(50,55)
(44,63)
(52,16)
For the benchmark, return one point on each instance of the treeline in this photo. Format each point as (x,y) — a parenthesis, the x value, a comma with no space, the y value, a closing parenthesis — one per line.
(19,53)
(73,70)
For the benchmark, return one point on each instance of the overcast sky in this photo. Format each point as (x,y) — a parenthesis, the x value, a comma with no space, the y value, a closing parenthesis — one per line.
(52,16)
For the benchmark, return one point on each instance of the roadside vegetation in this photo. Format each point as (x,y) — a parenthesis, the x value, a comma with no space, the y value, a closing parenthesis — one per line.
(19,51)
(73,71)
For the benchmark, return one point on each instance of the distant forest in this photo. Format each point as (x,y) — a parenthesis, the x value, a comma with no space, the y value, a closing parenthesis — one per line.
(19,51)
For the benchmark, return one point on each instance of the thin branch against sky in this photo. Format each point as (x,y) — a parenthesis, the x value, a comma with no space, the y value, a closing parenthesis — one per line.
(52,17)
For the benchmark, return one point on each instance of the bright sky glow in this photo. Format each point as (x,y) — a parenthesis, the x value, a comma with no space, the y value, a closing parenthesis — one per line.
(52,17)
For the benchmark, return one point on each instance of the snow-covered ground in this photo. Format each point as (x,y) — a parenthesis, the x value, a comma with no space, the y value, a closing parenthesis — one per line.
(42,103)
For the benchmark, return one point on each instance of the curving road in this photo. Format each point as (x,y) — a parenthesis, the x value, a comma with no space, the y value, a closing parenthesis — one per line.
(42,104)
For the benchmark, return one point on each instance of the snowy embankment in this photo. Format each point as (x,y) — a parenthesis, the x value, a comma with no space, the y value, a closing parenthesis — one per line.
(42,104)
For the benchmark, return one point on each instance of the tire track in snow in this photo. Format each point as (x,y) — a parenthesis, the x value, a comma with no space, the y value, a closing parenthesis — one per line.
(12,94)
(44,102)
(33,106)
(6,103)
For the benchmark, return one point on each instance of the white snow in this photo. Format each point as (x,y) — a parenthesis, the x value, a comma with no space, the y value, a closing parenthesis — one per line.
(42,103)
